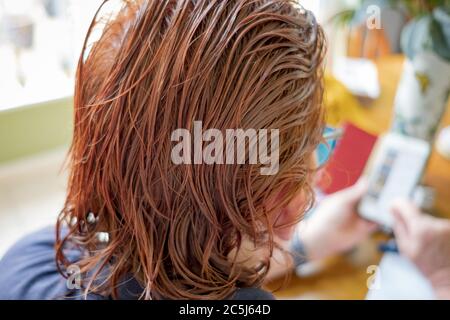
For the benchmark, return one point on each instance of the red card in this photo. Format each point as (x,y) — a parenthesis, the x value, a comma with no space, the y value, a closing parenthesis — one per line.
(348,160)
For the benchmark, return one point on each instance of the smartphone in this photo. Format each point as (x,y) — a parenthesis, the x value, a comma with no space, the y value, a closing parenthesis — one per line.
(394,170)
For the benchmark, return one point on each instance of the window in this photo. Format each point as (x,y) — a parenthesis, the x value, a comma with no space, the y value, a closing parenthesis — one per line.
(40,41)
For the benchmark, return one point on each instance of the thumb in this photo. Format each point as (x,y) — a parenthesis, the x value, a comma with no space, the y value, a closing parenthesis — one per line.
(405,210)
(406,215)
(355,192)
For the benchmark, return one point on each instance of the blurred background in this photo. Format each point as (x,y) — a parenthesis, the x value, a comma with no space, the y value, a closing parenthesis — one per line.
(40,42)
(387,69)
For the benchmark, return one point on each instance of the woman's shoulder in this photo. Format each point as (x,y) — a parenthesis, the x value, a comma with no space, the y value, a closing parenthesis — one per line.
(28,269)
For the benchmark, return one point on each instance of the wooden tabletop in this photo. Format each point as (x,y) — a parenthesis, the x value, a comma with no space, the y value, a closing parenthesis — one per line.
(346,277)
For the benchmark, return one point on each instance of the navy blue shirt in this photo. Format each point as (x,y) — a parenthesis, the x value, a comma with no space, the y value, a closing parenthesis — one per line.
(28,271)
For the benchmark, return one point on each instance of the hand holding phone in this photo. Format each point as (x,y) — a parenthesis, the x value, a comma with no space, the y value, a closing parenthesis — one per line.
(396,167)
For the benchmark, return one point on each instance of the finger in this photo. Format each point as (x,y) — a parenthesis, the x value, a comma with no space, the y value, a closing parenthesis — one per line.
(406,212)
(367,226)
(371,226)
(362,185)
(400,230)
(355,192)
(406,218)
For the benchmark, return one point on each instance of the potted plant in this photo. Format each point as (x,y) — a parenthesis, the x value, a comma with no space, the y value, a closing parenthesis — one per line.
(424,87)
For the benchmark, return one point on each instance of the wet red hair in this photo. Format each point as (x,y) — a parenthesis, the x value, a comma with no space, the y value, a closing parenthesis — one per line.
(158,66)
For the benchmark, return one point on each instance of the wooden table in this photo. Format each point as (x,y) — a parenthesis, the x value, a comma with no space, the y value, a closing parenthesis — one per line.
(346,277)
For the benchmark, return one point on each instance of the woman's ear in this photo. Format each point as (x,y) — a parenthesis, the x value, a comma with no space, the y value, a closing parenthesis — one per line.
(284,219)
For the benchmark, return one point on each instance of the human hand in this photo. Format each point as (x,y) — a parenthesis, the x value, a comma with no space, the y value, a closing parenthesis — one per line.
(425,240)
(335,226)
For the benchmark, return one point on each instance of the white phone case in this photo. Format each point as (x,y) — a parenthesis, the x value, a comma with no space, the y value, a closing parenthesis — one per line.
(395,169)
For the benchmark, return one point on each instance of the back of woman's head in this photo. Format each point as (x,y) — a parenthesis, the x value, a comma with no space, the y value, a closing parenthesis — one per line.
(159,66)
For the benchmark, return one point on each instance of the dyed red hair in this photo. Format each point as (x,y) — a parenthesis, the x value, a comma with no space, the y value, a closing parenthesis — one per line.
(161,65)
